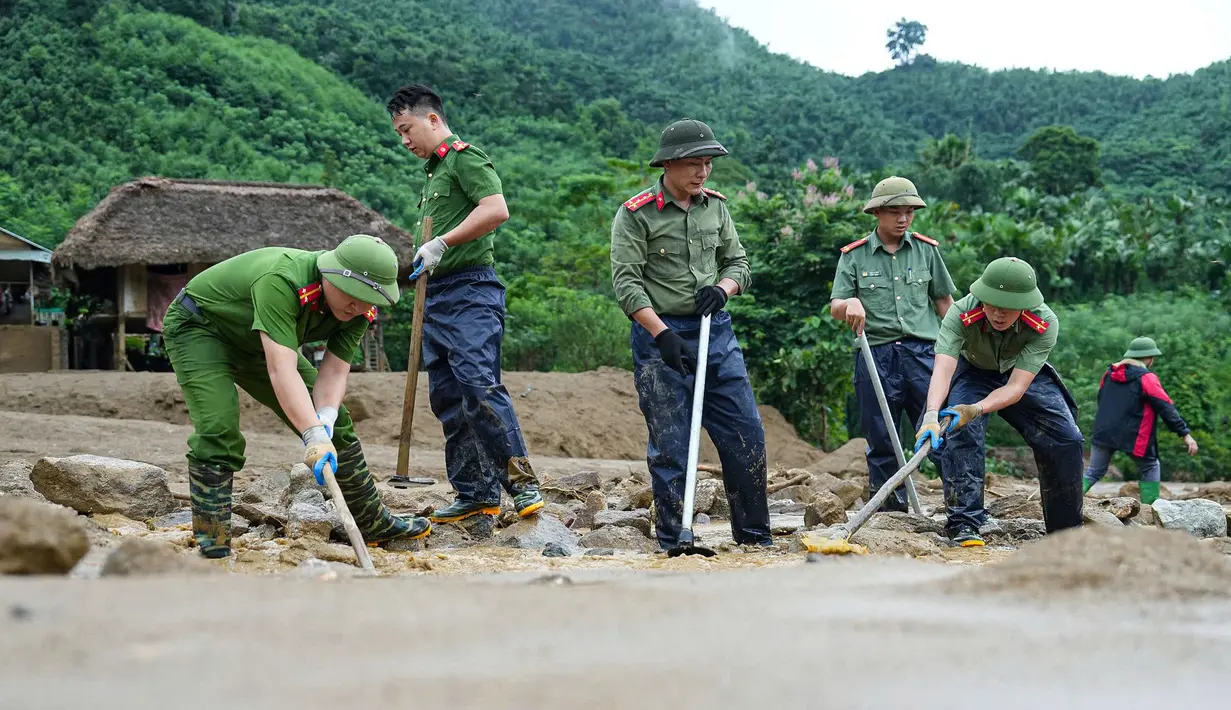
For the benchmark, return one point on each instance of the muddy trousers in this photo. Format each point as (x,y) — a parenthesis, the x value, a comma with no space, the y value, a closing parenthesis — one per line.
(1100,459)
(463,328)
(730,417)
(1045,418)
(905,368)
(208,371)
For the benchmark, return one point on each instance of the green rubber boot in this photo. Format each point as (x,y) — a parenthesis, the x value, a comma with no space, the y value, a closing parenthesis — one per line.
(460,510)
(1148,491)
(375,520)
(1086,484)
(210,490)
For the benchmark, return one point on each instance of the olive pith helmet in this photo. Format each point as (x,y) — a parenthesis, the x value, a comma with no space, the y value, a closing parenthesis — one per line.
(363,267)
(1008,282)
(686,138)
(894,191)
(1143,347)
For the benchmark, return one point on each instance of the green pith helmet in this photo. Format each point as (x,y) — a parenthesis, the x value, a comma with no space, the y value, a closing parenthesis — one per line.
(892,192)
(686,139)
(1008,282)
(362,267)
(1143,347)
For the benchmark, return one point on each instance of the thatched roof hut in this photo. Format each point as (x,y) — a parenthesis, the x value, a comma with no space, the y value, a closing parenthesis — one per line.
(160,221)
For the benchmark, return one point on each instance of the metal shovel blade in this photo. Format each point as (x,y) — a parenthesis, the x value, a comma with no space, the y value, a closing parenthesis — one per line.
(687,546)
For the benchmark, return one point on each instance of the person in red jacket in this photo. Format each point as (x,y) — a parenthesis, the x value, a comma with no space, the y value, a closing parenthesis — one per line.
(1130,399)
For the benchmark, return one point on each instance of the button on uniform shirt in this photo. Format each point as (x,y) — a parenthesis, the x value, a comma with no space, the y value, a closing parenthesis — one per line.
(661,253)
(1024,346)
(276,291)
(458,176)
(898,291)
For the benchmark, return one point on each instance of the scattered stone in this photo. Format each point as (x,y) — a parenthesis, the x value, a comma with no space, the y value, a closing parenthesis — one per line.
(595,503)
(642,497)
(636,519)
(445,536)
(261,514)
(799,492)
(1094,515)
(98,484)
(179,517)
(322,571)
(698,519)
(847,461)
(266,531)
(309,517)
(482,527)
(535,534)
(618,537)
(1221,545)
(564,511)
(600,552)
(302,479)
(1198,517)
(785,524)
(143,557)
(903,522)
(1133,490)
(722,506)
(893,542)
(849,492)
(1218,491)
(825,508)
(15,481)
(552,549)
(120,525)
(39,538)
(707,493)
(1016,505)
(1123,508)
(1146,515)
(787,507)
(271,488)
(571,486)
(239,525)
(411,501)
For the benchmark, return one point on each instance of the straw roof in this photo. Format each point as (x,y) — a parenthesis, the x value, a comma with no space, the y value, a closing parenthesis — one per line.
(160,221)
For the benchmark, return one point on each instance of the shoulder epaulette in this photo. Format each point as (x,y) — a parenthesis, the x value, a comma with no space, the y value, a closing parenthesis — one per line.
(460,145)
(1037,324)
(309,295)
(854,245)
(925,239)
(974,315)
(371,314)
(715,193)
(441,150)
(639,201)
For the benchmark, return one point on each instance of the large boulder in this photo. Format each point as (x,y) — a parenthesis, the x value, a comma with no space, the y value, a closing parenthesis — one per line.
(618,538)
(38,538)
(1123,508)
(98,484)
(894,542)
(140,557)
(15,481)
(636,519)
(1198,517)
(1015,505)
(534,534)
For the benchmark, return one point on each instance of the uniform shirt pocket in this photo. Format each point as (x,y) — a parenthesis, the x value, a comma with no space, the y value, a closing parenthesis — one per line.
(918,284)
(707,252)
(663,258)
(876,291)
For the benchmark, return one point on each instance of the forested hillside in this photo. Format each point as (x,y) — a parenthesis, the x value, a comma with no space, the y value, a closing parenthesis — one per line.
(1126,203)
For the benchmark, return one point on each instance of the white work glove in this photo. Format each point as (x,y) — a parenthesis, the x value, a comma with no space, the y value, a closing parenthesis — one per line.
(327,416)
(428,256)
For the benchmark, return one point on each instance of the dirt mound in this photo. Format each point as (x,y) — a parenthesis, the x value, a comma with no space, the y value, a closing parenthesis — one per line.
(1131,563)
(576,415)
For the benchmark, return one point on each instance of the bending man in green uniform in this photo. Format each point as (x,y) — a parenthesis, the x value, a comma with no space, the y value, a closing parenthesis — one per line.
(463,327)
(241,322)
(992,357)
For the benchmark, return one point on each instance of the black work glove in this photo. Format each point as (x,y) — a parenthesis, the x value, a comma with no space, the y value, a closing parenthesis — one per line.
(678,354)
(710,300)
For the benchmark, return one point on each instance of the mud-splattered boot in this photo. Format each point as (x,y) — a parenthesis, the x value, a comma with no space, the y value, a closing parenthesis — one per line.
(210,490)
(375,520)
(523,486)
(529,502)
(460,510)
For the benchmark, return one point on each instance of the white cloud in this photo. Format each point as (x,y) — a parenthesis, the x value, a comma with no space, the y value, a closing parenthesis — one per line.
(1125,38)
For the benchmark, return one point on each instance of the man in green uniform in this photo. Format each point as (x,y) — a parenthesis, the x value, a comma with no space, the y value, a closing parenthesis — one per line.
(992,357)
(675,257)
(463,326)
(893,286)
(241,322)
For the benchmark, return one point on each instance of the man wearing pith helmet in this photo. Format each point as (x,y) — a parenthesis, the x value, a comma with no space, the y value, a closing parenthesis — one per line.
(675,257)
(893,286)
(992,357)
(241,323)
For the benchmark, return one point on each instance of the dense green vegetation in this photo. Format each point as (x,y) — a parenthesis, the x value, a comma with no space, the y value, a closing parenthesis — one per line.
(1115,189)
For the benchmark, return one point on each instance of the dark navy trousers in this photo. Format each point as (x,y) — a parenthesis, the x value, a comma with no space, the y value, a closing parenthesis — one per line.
(730,417)
(463,329)
(905,368)
(1045,416)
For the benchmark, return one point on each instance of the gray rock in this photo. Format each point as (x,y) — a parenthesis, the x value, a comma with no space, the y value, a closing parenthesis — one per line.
(270,488)
(785,524)
(239,525)
(642,497)
(721,507)
(849,492)
(1221,545)
(600,552)
(261,514)
(698,519)
(1147,517)
(1094,515)
(566,512)
(15,481)
(535,534)
(1013,529)
(570,487)
(620,538)
(1123,507)
(140,557)
(707,493)
(39,538)
(309,517)
(182,516)
(636,519)
(893,542)
(551,549)
(98,484)
(1015,505)
(1199,517)
(301,480)
(904,522)
(595,503)
(825,508)
(787,507)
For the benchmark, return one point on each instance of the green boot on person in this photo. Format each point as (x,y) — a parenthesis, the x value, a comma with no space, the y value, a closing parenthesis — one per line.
(210,490)
(375,521)
(1148,491)
(1086,484)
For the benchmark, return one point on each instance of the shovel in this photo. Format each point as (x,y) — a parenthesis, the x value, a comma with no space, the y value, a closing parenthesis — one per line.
(686,545)
(891,426)
(401,479)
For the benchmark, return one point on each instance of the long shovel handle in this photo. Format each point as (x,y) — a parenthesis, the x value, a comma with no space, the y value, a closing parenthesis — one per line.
(694,432)
(891,426)
(348,520)
(412,362)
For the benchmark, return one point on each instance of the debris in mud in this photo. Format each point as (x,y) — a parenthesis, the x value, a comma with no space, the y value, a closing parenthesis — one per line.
(785,524)
(1197,517)
(638,519)
(1094,515)
(15,481)
(904,522)
(620,538)
(1016,505)
(140,557)
(552,549)
(824,508)
(600,552)
(570,486)
(99,484)
(537,532)
(894,542)
(39,538)
(1217,491)
(1013,530)
(1133,563)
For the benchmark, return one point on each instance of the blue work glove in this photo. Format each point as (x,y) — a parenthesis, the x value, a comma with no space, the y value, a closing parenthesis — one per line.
(961,415)
(318,451)
(929,430)
(418,269)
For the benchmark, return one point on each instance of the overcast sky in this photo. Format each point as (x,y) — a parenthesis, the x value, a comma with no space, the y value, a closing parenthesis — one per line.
(1126,38)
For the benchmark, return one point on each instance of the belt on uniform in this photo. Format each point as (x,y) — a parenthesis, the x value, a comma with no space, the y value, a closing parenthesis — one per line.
(187,303)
